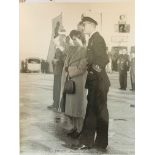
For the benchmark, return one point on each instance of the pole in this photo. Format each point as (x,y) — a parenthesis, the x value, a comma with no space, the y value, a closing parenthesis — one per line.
(101,21)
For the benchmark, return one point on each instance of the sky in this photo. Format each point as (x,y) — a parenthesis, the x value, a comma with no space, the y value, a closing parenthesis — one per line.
(35,22)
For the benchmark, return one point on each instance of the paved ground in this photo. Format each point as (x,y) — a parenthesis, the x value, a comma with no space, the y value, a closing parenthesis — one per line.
(42,135)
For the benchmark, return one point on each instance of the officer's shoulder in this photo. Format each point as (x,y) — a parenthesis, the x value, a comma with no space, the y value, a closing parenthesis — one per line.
(98,37)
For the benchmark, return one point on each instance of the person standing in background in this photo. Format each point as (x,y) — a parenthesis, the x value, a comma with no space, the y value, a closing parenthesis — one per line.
(26,67)
(42,66)
(114,61)
(109,65)
(123,68)
(58,63)
(132,71)
(47,67)
(22,66)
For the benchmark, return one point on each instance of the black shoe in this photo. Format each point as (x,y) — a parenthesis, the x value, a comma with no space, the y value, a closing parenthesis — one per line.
(101,148)
(121,88)
(51,107)
(132,105)
(71,132)
(75,135)
(80,147)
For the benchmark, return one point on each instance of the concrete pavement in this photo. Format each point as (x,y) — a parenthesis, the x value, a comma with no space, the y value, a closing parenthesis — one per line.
(41,134)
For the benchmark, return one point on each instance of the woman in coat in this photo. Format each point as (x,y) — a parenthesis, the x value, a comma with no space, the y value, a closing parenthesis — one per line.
(76,66)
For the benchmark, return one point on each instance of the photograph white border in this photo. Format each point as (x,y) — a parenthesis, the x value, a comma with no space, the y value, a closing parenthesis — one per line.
(145,77)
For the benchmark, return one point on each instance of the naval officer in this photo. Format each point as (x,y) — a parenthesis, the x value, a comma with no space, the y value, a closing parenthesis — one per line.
(97,83)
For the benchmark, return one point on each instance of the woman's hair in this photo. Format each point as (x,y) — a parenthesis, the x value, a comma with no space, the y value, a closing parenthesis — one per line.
(80,23)
(78,34)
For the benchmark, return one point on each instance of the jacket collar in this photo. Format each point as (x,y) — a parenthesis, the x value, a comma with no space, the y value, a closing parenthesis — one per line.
(92,34)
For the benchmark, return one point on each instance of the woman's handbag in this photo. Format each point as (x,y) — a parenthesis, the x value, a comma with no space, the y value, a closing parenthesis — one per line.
(69,87)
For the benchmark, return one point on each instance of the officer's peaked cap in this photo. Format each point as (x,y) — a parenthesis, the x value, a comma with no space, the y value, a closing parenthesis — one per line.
(89,19)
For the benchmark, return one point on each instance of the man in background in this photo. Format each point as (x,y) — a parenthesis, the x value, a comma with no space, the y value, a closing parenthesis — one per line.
(58,63)
(132,71)
(123,68)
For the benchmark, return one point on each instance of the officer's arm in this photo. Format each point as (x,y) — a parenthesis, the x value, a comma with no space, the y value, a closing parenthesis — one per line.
(90,53)
(99,47)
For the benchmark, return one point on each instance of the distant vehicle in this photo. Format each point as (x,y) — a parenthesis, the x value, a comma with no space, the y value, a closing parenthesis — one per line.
(33,65)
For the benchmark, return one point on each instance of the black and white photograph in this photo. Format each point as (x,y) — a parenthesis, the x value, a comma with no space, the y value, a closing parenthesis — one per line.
(77,77)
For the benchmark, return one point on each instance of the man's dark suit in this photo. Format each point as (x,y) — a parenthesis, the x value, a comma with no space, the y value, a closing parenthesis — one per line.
(97,116)
(123,67)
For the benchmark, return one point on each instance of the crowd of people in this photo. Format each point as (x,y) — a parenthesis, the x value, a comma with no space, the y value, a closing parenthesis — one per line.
(84,62)
(123,62)
(44,66)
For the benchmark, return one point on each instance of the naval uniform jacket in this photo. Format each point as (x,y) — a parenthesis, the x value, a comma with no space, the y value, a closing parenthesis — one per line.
(97,116)
(97,55)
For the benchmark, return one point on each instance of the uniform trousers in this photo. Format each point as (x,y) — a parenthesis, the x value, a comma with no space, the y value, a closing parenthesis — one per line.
(97,116)
(123,79)
(56,90)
